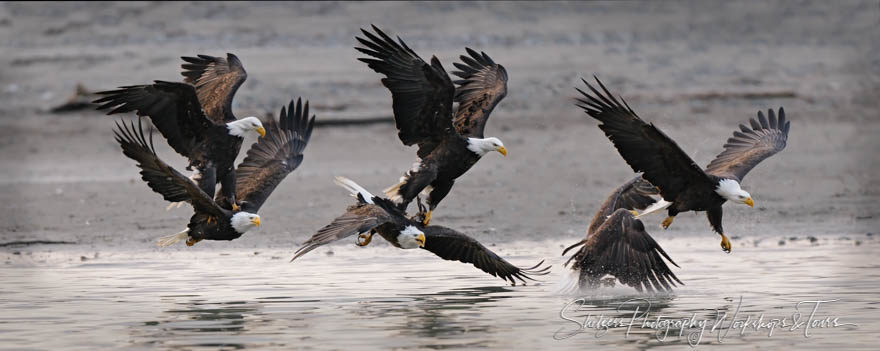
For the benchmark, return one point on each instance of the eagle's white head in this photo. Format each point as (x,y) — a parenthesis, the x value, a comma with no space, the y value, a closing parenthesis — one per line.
(483,146)
(244,221)
(730,190)
(240,127)
(411,238)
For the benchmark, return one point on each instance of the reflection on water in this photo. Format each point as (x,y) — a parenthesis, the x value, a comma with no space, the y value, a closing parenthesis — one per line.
(191,299)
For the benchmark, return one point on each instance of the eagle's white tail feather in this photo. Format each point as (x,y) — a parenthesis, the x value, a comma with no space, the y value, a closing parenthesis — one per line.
(393,192)
(173,238)
(354,188)
(657,206)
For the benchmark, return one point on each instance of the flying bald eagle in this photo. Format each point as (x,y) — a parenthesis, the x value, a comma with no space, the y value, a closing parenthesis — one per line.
(617,244)
(422,97)
(196,118)
(267,163)
(373,212)
(683,185)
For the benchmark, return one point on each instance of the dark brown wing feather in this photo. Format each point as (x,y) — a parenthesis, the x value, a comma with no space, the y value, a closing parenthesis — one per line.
(622,248)
(632,195)
(161,177)
(635,194)
(483,84)
(216,80)
(421,93)
(750,146)
(644,147)
(359,218)
(173,108)
(454,246)
(274,156)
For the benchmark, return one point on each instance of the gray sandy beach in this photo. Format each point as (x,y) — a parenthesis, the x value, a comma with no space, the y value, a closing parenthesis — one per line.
(696,69)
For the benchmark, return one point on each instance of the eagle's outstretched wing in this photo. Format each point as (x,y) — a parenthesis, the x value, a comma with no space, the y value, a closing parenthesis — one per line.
(421,93)
(173,108)
(216,80)
(483,84)
(451,245)
(750,146)
(644,147)
(161,177)
(359,218)
(273,156)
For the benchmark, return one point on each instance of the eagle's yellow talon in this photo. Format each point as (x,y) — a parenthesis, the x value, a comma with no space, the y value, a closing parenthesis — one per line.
(634,212)
(235,207)
(725,243)
(667,222)
(367,237)
(427,218)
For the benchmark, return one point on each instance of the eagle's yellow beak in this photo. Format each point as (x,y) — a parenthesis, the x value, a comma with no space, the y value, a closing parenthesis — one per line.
(256,221)
(262,131)
(502,150)
(421,240)
(749,202)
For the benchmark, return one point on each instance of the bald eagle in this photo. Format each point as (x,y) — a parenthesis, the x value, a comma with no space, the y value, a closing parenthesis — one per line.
(373,212)
(196,118)
(617,244)
(267,163)
(683,185)
(422,97)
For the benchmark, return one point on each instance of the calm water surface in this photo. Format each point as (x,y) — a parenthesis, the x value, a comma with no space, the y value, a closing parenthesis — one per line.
(379,296)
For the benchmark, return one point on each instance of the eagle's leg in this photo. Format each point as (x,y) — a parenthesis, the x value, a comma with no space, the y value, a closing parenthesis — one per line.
(227,187)
(427,218)
(439,190)
(668,222)
(423,212)
(634,212)
(367,237)
(725,243)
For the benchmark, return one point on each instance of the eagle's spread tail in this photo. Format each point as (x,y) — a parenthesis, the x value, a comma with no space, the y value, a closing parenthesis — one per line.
(172,239)
(354,188)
